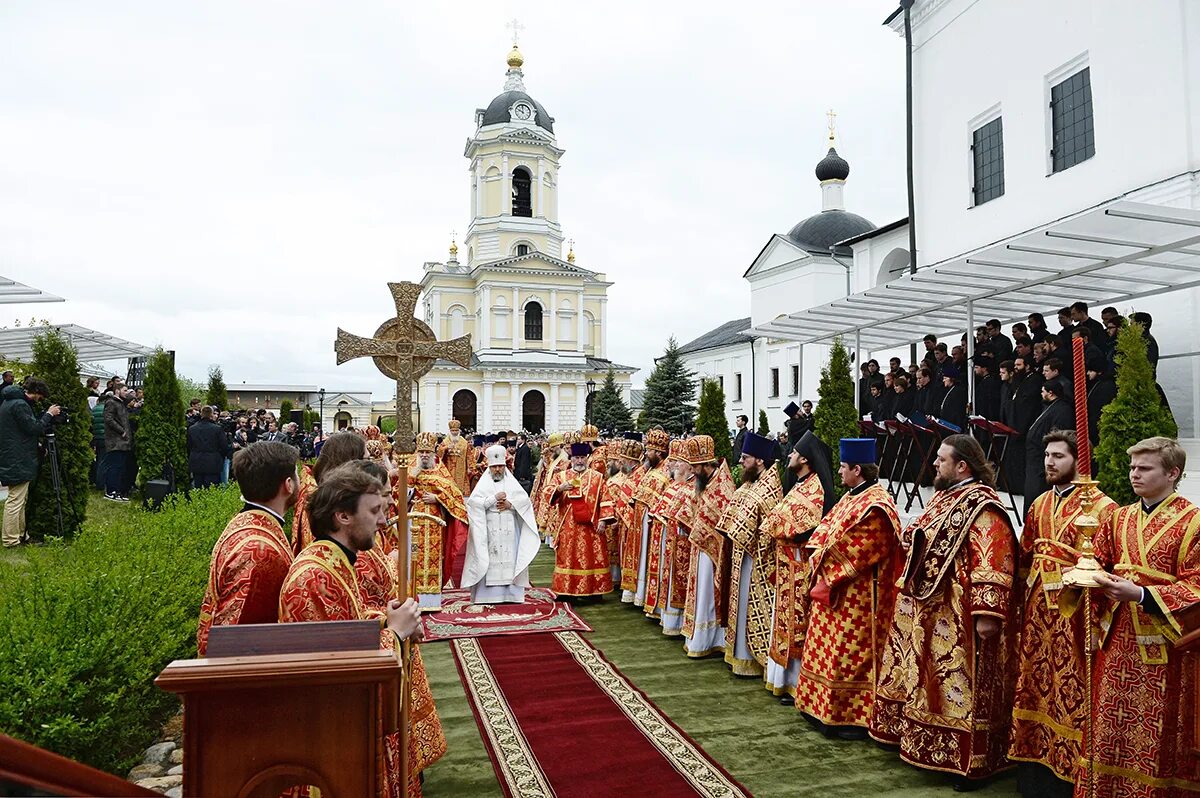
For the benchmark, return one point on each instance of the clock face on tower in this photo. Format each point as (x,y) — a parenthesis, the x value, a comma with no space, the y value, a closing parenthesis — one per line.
(522,111)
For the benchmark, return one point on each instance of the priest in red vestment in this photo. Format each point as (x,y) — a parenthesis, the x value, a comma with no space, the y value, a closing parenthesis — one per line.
(580,549)
(347,511)
(852,572)
(252,556)
(947,672)
(1145,701)
(1050,710)
(339,448)
(663,542)
(454,453)
(551,462)
(437,548)
(707,598)
(618,512)
(635,559)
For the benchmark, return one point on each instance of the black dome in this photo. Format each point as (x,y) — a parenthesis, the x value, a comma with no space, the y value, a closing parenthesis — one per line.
(822,230)
(497,110)
(833,167)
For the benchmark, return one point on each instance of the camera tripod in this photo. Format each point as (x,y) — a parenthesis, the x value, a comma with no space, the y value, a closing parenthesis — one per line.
(55,480)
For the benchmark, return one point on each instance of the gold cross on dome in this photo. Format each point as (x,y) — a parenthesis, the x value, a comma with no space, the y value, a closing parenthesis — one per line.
(832,116)
(404,348)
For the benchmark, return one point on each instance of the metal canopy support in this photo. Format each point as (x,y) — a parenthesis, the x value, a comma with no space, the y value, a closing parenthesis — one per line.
(14,293)
(858,361)
(970,375)
(90,345)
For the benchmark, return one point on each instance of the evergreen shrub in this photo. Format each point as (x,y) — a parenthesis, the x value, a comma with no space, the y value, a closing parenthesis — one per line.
(835,416)
(710,418)
(670,391)
(217,395)
(609,411)
(162,429)
(764,424)
(285,412)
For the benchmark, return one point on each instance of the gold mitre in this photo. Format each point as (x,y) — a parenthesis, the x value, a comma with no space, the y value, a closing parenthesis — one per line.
(589,434)
(632,450)
(427,442)
(555,440)
(699,450)
(658,440)
(675,452)
(455,425)
(571,437)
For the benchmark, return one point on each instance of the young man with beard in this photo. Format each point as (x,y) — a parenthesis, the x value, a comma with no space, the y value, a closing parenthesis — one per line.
(752,557)
(1057,413)
(1051,699)
(945,684)
(851,592)
(252,556)
(581,566)
(791,524)
(707,600)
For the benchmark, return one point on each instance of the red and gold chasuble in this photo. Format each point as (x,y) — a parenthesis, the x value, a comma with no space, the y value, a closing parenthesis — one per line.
(454,453)
(249,563)
(649,487)
(852,592)
(322,585)
(1050,709)
(742,523)
(944,694)
(679,546)
(581,565)
(660,552)
(598,461)
(435,548)
(790,520)
(301,529)
(617,511)
(708,507)
(1145,708)
(544,512)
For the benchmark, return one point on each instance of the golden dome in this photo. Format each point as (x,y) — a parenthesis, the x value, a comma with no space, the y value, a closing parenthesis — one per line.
(453,248)
(515,59)
(571,252)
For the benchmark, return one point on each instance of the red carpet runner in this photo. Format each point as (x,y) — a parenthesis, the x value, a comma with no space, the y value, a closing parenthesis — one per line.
(458,617)
(559,719)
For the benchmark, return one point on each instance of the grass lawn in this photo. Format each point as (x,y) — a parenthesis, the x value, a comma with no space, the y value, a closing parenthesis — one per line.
(766,746)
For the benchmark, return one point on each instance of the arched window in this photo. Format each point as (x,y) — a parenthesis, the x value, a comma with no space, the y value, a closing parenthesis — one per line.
(458,319)
(533,322)
(522,196)
(522,249)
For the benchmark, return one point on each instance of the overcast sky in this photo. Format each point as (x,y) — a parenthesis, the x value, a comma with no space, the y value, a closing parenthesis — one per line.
(234,180)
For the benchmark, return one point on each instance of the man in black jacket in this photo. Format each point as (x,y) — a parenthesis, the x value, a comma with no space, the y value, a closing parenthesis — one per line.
(1057,414)
(208,446)
(118,443)
(740,435)
(19,433)
(953,408)
(1101,389)
(523,463)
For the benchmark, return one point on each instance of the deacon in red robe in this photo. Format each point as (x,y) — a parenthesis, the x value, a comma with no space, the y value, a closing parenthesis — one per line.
(664,539)
(454,453)
(635,552)
(947,672)
(618,513)
(581,565)
(437,547)
(706,601)
(339,448)
(852,590)
(252,556)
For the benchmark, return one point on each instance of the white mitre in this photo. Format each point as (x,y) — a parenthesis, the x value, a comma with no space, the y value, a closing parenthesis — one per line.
(496,455)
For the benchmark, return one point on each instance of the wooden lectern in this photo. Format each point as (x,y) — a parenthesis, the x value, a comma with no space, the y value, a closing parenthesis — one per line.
(1190,644)
(261,717)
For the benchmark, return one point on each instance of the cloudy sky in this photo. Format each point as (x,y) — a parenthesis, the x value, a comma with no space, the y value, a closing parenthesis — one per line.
(234,180)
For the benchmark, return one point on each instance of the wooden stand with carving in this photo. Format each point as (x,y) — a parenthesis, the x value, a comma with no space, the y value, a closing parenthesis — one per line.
(256,725)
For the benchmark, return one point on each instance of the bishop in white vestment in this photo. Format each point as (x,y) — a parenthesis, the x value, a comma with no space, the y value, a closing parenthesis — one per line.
(503,538)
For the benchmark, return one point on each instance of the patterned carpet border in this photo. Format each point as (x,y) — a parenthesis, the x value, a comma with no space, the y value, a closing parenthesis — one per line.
(514,761)
(459,619)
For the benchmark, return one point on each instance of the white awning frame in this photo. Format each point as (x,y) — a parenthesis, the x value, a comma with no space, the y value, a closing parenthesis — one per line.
(90,345)
(1108,255)
(14,293)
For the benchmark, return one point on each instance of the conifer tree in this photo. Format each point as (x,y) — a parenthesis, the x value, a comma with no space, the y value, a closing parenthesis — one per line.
(285,412)
(670,391)
(836,417)
(217,395)
(1135,413)
(609,411)
(711,420)
(56,362)
(161,430)
(764,424)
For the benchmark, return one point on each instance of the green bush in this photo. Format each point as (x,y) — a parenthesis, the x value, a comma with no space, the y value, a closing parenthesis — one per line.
(670,390)
(162,430)
(711,420)
(88,625)
(1134,414)
(835,417)
(55,361)
(216,395)
(764,425)
(609,411)
(285,412)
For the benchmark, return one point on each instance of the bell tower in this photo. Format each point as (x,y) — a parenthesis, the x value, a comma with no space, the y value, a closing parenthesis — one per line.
(514,175)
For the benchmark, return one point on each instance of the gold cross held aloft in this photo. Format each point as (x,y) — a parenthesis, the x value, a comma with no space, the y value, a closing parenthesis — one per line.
(404,348)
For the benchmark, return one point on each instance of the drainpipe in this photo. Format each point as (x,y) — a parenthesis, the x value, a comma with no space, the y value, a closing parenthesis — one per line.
(908,129)
(753,387)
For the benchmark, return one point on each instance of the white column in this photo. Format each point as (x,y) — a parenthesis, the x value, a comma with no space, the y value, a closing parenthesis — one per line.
(505,187)
(477,211)
(485,319)
(580,399)
(603,327)
(552,424)
(518,320)
(443,405)
(580,324)
(485,423)
(553,313)
(514,421)
(541,209)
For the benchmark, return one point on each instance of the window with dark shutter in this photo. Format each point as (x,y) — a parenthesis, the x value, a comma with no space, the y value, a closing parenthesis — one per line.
(987,152)
(1071,120)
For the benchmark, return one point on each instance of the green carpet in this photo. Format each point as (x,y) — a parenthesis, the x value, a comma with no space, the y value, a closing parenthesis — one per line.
(766,746)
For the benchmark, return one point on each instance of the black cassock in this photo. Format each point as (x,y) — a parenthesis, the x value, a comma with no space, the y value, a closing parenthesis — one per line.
(1059,414)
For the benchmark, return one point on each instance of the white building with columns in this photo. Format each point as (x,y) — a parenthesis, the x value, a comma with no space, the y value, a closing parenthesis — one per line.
(537,320)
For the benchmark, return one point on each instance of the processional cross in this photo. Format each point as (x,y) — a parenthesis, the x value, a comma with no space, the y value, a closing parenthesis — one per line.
(403,348)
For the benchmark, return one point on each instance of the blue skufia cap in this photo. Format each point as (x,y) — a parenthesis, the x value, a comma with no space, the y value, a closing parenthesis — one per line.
(581,449)
(477,440)
(791,409)
(756,445)
(491,438)
(633,436)
(857,451)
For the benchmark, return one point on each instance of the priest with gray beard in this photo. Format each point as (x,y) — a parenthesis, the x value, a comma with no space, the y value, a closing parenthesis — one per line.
(503,538)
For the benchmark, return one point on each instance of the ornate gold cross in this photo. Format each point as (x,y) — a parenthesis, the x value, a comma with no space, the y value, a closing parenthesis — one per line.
(404,348)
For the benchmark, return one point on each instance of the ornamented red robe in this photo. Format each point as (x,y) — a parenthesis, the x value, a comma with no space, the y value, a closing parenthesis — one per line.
(679,546)
(322,585)
(544,512)
(742,523)
(1050,710)
(852,592)
(650,485)
(789,524)
(598,462)
(944,694)
(249,562)
(1145,706)
(707,510)
(301,528)
(437,549)
(580,550)
(617,510)
(658,569)
(455,455)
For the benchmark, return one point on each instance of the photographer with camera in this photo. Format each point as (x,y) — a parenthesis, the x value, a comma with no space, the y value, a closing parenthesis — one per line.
(19,433)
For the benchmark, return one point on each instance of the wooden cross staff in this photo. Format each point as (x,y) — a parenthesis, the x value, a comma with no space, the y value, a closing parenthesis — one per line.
(403,348)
